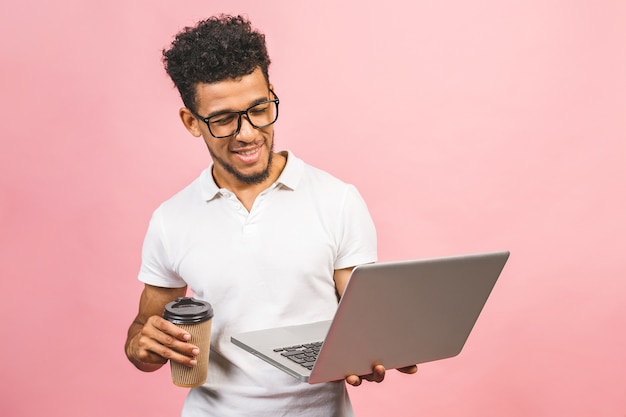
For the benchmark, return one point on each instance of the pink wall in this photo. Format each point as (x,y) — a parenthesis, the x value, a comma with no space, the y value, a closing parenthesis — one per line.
(467,126)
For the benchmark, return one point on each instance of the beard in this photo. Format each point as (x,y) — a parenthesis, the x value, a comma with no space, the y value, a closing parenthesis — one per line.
(251,179)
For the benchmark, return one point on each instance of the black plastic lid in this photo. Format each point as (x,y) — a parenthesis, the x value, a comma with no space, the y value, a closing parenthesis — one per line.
(187,310)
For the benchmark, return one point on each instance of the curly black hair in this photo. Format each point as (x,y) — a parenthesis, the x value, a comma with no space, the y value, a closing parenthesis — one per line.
(218,48)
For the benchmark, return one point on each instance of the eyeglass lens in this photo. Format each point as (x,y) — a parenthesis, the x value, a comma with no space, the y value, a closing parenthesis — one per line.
(227,124)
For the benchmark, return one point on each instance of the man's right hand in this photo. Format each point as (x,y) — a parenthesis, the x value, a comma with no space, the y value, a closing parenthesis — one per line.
(159,341)
(152,340)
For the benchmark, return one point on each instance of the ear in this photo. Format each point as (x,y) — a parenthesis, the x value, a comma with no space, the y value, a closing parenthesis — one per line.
(189,120)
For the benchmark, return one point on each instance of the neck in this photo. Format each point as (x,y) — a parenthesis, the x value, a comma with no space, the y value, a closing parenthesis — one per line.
(247,192)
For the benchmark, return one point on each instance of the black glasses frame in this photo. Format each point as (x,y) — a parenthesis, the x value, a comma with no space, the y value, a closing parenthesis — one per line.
(240,114)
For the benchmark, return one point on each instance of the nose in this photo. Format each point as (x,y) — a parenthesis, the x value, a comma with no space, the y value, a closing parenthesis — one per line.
(247,132)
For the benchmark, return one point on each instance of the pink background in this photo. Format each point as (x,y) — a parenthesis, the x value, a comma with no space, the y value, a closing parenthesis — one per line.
(467,126)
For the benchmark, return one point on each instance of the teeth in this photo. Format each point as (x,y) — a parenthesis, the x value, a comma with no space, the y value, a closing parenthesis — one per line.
(248,152)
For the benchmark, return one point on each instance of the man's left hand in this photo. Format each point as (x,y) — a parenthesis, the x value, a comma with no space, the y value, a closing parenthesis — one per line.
(378,375)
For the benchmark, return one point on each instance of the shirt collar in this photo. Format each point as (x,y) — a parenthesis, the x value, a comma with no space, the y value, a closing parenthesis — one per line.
(289,178)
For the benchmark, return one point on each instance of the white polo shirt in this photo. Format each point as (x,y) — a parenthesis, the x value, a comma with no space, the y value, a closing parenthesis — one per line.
(271,266)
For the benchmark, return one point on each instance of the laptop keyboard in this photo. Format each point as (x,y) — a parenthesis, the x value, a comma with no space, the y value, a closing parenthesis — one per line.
(304,354)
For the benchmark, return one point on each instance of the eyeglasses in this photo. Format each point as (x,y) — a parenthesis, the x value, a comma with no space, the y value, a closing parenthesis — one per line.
(228,123)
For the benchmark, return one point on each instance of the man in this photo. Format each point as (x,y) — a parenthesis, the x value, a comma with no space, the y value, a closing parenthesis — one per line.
(265,238)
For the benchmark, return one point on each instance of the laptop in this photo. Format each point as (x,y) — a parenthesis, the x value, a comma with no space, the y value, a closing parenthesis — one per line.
(392,313)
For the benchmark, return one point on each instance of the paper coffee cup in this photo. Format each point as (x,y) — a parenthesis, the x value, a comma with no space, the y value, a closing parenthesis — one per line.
(195,317)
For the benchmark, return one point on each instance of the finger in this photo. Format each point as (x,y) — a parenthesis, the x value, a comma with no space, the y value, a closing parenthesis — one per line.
(172,336)
(353,380)
(166,351)
(169,328)
(408,369)
(151,350)
(142,352)
(168,341)
(378,374)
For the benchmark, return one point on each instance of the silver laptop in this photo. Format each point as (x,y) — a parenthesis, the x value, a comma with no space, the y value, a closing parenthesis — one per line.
(392,313)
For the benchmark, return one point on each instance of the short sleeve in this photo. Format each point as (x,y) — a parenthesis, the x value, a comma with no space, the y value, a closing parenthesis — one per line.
(156,267)
(357,232)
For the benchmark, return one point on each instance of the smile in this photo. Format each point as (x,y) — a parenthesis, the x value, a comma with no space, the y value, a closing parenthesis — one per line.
(250,152)
(249,156)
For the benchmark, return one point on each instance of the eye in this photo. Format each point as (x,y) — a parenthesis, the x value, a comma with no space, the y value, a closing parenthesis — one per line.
(260,108)
(223,119)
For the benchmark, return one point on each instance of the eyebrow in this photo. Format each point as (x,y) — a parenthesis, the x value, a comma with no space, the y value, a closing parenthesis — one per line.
(224,111)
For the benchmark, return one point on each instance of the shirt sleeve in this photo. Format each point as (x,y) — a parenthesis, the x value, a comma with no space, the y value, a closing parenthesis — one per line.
(156,266)
(358,244)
